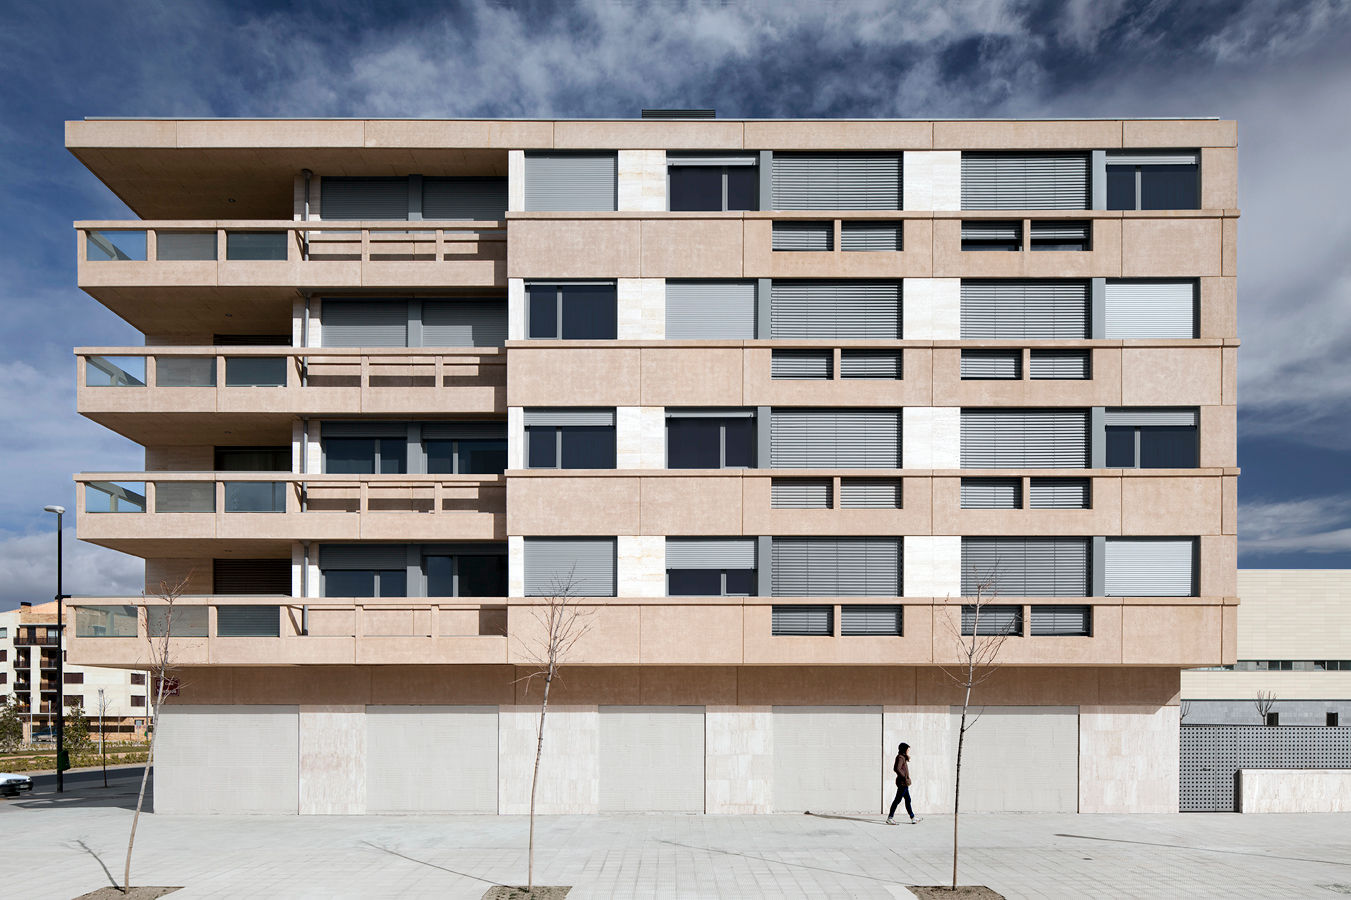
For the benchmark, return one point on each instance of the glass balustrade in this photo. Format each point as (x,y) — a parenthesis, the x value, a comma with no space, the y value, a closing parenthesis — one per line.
(114,497)
(121,246)
(114,371)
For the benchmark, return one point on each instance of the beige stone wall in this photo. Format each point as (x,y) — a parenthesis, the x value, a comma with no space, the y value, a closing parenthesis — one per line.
(933,179)
(1294,790)
(641,308)
(571,733)
(1128,759)
(640,437)
(739,760)
(642,180)
(332,760)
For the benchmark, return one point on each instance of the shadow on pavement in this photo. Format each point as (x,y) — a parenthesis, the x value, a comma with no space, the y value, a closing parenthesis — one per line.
(98,859)
(865,821)
(1258,854)
(782,862)
(423,862)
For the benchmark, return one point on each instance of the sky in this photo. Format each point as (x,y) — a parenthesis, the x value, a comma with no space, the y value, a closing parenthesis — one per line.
(1280,68)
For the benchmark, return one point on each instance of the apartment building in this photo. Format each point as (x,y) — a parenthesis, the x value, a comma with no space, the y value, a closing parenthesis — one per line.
(770,398)
(29,644)
(1293,651)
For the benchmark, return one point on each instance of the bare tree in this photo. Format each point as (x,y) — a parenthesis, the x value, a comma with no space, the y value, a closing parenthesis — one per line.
(1264,702)
(977,649)
(159,652)
(1184,709)
(563,622)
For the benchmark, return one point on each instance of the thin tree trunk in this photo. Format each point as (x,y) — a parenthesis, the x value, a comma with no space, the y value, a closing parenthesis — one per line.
(957,785)
(140,797)
(534,784)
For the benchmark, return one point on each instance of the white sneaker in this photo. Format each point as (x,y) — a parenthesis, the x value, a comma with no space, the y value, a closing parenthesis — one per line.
(891,821)
(914,821)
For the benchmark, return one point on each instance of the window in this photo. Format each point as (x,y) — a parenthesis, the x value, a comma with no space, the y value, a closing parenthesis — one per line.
(366,583)
(882,619)
(570,182)
(1025,566)
(138,678)
(1052,234)
(248,621)
(801,365)
(870,493)
(1060,365)
(1139,308)
(461,322)
(138,700)
(795,235)
(585,567)
(710,567)
(73,700)
(1333,720)
(465,448)
(992,620)
(836,567)
(1016,309)
(871,235)
(1150,567)
(984,234)
(834,438)
(1273,719)
(992,493)
(1060,493)
(802,621)
(187,621)
(710,310)
(712,183)
(465,574)
(1062,621)
(365,456)
(244,576)
(1025,181)
(73,678)
(1024,438)
(800,493)
(572,312)
(992,365)
(875,364)
(835,309)
(699,439)
(569,439)
(1166,180)
(836,181)
(1152,439)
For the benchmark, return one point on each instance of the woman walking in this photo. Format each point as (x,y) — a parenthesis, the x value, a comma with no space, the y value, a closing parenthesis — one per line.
(902,770)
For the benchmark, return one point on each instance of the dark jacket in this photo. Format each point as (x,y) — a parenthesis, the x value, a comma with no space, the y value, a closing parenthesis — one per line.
(902,769)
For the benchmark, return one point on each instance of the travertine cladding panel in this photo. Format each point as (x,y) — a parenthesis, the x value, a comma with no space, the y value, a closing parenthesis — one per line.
(931,437)
(547,374)
(688,633)
(1159,506)
(739,759)
(932,565)
(515,437)
(642,180)
(838,135)
(557,246)
(640,437)
(516,309)
(316,337)
(1128,759)
(571,740)
(929,732)
(1163,247)
(1169,376)
(332,760)
(1219,436)
(568,504)
(692,376)
(641,309)
(691,506)
(933,179)
(1028,135)
(1294,790)
(1151,133)
(515,566)
(1219,307)
(515,180)
(1219,178)
(640,566)
(932,309)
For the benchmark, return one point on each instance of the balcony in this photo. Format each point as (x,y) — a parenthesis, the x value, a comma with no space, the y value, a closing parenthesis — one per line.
(37,636)
(158,275)
(152,513)
(256,392)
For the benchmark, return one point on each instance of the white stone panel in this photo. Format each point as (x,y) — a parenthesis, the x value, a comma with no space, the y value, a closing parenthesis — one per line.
(1294,790)
(932,565)
(516,437)
(227,760)
(642,309)
(933,179)
(515,309)
(928,731)
(298,323)
(1021,759)
(1128,759)
(640,437)
(739,760)
(316,323)
(332,760)
(569,780)
(297,445)
(407,769)
(641,565)
(642,180)
(515,566)
(931,437)
(652,759)
(933,309)
(826,758)
(515,180)
(315,461)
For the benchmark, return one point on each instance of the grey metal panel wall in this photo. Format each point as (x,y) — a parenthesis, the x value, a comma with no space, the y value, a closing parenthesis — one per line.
(1150,567)
(588,564)
(599,417)
(836,181)
(802,620)
(1024,438)
(1058,493)
(801,365)
(570,182)
(881,619)
(870,493)
(800,493)
(464,323)
(1060,365)
(1024,309)
(836,567)
(992,364)
(1212,754)
(461,198)
(992,493)
(1025,181)
(835,439)
(365,323)
(803,236)
(835,309)
(1062,620)
(1026,566)
(710,553)
(871,236)
(883,364)
(365,198)
(1151,309)
(710,310)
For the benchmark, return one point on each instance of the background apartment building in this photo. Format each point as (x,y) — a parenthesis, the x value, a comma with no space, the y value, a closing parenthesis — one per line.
(772,395)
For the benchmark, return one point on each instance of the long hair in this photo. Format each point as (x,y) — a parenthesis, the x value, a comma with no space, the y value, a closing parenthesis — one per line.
(904,750)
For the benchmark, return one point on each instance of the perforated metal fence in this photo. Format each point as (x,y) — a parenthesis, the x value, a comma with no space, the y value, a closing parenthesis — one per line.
(1213,754)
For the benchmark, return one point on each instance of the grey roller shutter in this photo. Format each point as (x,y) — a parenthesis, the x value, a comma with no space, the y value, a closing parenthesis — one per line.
(593,417)
(1151,309)
(870,493)
(989,230)
(710,553)
(710,310)
(351,199)
(464,430)
(570,182)
(363,556)
(1128,416)
(800,493)
(365,323)
(1168,158)
(251,576)
(803,236)
(835,309)
(992,364)
(836,181)
(992,493)
(868,235)
(1025,566)
(1059,493)
(1150,567)
(587,564)
(364,428)
(884,364)
(880,619)
(1024,309)
(1062,620)
(1024,438)
(802,365)
(802,620)
(475,199)
(1060,365)
(834,439)
(678,158)
(836,567)
(1056,231)
(993,619)
(464,323)
(1025,181)
(248,621)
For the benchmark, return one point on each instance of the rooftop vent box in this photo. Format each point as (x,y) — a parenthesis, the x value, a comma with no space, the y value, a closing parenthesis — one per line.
(679,114)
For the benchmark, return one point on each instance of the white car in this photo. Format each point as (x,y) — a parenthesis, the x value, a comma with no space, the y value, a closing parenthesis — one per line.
(10,785)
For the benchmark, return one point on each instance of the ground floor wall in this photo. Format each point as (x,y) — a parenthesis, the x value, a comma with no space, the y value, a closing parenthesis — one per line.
(1248,712)
(352,740)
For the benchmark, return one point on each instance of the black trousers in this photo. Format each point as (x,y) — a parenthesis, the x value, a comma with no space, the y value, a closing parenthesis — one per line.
(902,793)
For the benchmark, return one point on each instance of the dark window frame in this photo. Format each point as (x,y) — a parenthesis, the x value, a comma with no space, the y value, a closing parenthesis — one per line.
(723,422)
(457,464)
(561,431)
(455,573)
(1141,432)
(1139,171)
(722,579)
(675,162)
(560,318)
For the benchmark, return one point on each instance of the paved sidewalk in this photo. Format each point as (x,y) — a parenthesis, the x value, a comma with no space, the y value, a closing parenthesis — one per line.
(63,848)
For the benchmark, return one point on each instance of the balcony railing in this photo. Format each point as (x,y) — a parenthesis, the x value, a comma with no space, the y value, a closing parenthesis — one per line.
(29,637)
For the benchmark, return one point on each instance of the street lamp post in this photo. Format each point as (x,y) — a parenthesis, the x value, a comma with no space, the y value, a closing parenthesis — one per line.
(60,656)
